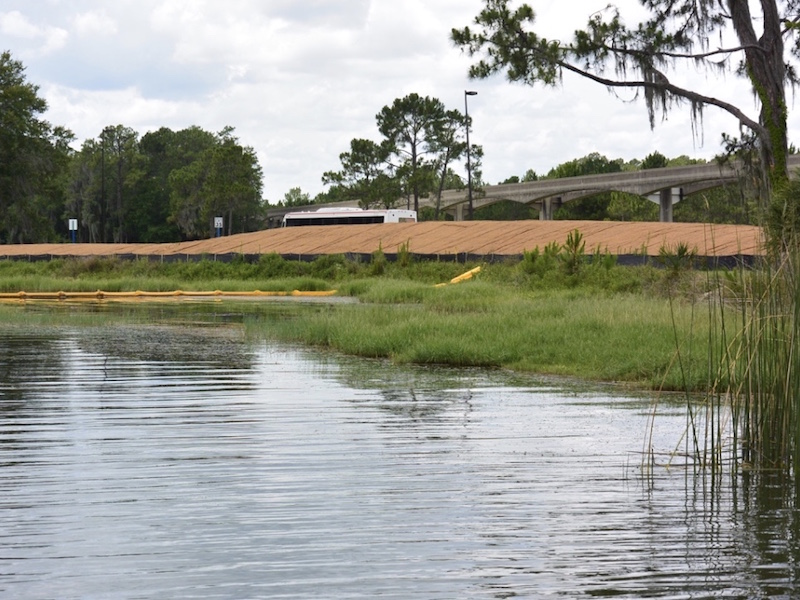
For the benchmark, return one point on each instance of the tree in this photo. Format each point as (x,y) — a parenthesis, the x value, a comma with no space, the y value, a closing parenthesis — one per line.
(409,125)
(365,174)
(225,180)
(591,208)
(447,145)
(677,32)
(530,175)
(654,160)
(631,207)
(295,197)
(122,170)
(103,189)
(33,159)
(163,152)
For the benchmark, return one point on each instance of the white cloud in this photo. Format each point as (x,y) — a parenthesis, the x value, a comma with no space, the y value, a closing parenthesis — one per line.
(48,39)
(299,80)
(94,23)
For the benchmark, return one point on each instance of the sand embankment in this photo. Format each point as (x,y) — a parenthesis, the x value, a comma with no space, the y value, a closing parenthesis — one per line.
(472,238)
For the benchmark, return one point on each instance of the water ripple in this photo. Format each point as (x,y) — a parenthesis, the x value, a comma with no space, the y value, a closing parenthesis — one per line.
(273,473)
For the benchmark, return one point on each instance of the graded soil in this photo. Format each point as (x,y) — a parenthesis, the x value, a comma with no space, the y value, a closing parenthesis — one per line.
(442,239)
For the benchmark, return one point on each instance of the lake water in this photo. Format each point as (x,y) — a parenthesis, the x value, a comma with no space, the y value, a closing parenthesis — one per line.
(185,461)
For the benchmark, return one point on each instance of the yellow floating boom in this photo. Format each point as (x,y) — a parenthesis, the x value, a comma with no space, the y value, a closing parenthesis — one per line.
(137,295)
(463,277)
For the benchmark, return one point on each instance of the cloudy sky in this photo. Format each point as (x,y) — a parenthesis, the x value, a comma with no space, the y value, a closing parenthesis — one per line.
(299,79)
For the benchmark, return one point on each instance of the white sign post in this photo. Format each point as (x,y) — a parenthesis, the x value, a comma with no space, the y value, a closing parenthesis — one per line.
(218,225)
(73,229)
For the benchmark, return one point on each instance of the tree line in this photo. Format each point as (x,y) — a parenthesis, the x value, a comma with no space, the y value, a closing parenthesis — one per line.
(120,187)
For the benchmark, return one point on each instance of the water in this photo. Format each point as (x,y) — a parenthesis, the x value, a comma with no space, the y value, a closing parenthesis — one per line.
(150,461)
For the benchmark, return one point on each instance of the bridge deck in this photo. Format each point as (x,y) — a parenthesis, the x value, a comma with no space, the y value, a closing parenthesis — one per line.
(483,238)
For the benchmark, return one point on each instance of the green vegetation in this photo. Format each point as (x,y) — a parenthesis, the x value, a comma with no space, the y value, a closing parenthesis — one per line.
(270,273)
(621,338)
(755,397)
(558,311)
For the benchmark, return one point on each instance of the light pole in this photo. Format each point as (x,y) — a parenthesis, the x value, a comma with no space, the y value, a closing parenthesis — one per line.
(469,165)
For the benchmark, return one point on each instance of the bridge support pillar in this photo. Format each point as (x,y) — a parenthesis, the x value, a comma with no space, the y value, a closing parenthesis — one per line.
(549,207)
(459,215)
(665,201)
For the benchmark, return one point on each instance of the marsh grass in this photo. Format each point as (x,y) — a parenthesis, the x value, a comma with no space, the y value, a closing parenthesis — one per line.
(271,273)
(764,365)
(748,419)
(621,338)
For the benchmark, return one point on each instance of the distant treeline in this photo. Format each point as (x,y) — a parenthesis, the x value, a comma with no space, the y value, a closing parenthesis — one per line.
(120,187)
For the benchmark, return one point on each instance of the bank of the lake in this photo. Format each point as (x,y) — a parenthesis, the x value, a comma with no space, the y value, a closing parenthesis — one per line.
(639,326)
(623,338)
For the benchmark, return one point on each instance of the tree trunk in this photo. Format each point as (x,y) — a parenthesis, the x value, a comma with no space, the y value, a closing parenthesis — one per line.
(767,71)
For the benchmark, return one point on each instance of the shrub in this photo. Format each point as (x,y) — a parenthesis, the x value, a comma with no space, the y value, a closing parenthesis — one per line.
(378,264)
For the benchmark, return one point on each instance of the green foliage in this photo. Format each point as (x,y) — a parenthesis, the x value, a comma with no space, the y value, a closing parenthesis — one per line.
(404,257)
(750,418)
(729,204)
(272,265)
(566,332)
(534,263)
(330,266)
(567,266)
(591,164)
(629,207)
(225,181)
(603,260)
(506,210)
(410,127)
(783,217)
(421,139)
(678,259)
(591,208)
(393,291)
(295,197)
(365,174)
(428,213)
(572,253)
(654,160)
(167,186)
(379,261)
(33,161)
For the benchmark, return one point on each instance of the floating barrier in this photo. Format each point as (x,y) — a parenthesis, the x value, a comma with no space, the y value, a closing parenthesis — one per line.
(140,295)
(463,277)
(181,294)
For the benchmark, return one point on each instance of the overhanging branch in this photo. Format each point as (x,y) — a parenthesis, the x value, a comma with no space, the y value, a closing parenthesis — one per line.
(665,86)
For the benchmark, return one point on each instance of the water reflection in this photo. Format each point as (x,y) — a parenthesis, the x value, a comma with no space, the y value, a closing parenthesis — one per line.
(155,461)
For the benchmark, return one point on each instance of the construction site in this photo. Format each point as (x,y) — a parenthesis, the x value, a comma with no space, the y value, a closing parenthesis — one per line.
(436,240)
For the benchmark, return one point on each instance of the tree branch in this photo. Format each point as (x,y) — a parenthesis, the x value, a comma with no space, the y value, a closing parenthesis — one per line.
(664,85)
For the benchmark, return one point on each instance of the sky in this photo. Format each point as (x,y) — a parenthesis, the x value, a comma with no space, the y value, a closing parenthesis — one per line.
(299,79)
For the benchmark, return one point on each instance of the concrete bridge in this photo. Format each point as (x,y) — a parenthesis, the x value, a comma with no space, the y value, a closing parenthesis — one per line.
(665,186)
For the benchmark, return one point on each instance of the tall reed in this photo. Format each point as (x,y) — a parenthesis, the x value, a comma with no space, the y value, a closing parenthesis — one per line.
(765,390)
(750,417)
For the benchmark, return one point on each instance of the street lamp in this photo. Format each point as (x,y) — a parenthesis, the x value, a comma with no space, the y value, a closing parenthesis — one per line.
(469,166)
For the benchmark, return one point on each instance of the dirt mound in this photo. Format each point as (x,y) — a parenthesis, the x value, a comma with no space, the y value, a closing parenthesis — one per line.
(476,238)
